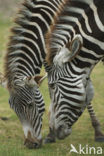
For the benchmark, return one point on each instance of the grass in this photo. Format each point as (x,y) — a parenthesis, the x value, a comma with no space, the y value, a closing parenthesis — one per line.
(11,134)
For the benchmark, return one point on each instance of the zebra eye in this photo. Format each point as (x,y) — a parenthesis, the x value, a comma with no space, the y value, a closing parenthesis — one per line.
(30,105)
(52,86)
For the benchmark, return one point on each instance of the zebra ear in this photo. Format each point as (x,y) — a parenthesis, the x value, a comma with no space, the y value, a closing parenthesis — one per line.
(40,79)
(30,81)
(75,46)
(34,80)
(3,81)
(69,51)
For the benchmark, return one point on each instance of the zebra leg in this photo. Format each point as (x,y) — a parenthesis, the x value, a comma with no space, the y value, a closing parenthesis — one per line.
(50,138)
(96,124)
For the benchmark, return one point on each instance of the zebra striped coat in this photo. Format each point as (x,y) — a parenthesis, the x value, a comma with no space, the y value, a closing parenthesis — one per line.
(70,87)
(23,61)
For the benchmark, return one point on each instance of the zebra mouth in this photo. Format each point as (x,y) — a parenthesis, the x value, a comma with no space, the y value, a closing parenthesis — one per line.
(32,143)
(62,132)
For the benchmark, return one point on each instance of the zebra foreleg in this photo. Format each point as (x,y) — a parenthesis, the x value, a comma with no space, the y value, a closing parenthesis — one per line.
(95,122)
(99,137)
(50,138)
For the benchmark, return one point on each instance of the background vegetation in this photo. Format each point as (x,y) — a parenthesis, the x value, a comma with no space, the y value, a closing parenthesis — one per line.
(11,134)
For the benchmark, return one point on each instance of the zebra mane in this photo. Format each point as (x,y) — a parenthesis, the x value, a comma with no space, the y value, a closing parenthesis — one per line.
(52,48)
(21,20)
(16,30)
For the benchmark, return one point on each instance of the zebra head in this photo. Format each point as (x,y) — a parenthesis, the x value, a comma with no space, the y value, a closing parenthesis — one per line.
(67,91)
(27,101)
(67,100)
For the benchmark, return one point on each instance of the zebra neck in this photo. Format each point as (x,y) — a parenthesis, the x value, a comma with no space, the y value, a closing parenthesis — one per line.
(26,48)
(82,17)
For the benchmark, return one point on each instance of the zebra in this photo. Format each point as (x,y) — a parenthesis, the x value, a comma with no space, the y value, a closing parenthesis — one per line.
(23,61)
(68,77)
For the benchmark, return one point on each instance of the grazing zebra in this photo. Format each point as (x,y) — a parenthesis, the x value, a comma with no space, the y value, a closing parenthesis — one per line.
(71,89)
(23,61)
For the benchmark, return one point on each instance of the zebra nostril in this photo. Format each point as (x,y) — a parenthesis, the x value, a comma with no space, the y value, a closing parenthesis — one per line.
(32,145)
(36,145)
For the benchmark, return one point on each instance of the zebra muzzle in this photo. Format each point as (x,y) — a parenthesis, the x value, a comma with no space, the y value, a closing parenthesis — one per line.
(32,143)
(62,132)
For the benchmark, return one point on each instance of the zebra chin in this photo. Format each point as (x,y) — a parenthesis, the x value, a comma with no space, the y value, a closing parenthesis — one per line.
(62,132)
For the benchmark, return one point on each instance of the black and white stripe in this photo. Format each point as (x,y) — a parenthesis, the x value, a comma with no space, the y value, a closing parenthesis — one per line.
(23,62)
(84,17)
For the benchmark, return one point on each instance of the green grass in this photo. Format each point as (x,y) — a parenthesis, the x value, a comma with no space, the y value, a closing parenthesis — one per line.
(11,134)
(4,32)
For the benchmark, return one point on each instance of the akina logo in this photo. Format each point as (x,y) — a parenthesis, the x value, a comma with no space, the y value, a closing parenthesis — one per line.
(86,150)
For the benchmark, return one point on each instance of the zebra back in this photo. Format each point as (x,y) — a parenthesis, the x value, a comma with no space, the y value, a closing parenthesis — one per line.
(79,17)
(26,47)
